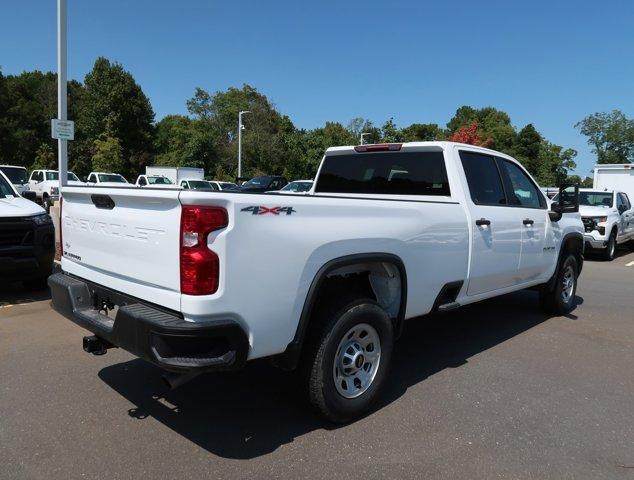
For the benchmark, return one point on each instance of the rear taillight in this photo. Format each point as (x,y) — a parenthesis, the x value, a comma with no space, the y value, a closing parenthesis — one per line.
(200,267)
(379,147)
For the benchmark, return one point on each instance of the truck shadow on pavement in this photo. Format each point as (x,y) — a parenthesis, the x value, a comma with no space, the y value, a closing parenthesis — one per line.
(253,412)
(16,293)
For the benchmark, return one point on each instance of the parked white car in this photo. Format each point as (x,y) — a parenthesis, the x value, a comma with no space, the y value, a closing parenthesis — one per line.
(608,219)
(17,176)
(154,181)
(106,179)
(297,186)
(45,184)
(321,282)
(27,239)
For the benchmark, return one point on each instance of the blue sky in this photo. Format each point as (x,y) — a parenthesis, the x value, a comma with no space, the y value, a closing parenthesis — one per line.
(549,63)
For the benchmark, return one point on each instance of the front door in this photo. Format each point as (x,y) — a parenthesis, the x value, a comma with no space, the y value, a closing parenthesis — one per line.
(538,245)
(496,233)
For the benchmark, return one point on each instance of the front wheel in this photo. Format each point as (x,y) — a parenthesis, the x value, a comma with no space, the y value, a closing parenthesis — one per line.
(347,359)
(560,299)
(608,252)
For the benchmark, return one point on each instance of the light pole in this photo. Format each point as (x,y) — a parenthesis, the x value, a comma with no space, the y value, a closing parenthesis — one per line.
(363,135)
(240,128)
(61,89)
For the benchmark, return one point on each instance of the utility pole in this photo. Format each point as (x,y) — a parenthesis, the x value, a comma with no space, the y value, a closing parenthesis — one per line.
(240,128)
(61,90)
(363,135)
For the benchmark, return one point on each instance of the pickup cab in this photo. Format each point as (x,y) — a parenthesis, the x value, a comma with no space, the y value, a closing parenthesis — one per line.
(106,179)
(27,239)
(154,181)
(320,282)
(608,219)
(45,184)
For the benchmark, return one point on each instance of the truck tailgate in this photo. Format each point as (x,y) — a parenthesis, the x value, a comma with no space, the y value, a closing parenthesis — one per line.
(124,238)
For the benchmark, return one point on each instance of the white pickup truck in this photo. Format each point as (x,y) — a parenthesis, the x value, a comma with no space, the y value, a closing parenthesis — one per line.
(608,219)
(320,282)
(45,184)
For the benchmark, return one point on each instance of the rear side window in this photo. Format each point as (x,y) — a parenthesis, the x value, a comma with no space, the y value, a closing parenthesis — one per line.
(391,173)
(483,178)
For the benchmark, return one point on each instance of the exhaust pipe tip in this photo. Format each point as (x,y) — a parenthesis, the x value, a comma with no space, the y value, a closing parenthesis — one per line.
(175,380)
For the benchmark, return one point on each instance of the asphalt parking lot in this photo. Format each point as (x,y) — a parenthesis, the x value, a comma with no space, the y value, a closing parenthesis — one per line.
(495,390)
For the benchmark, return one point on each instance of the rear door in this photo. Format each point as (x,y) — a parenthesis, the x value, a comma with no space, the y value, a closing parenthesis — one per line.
(538,246)
(496,232)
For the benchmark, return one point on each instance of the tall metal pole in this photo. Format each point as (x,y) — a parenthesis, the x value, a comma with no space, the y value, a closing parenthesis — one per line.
(240,128)
(61,89)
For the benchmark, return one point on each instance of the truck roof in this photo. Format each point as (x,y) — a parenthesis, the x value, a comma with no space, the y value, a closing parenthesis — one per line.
(441,145)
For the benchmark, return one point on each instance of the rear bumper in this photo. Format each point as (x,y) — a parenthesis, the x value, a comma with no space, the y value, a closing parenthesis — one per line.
(149,332)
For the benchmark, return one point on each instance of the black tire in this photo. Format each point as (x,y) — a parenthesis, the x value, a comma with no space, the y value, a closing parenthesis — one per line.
(631,245)
(332,323)
(607,253)
(553,299)
(36,284)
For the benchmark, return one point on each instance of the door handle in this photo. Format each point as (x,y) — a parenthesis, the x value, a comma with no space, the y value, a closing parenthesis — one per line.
(528,221)
(483,221)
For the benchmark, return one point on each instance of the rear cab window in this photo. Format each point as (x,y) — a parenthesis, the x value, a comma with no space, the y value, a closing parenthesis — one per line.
(384,173)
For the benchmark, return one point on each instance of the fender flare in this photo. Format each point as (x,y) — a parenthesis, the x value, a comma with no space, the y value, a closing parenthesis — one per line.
(290,357)
(550,284)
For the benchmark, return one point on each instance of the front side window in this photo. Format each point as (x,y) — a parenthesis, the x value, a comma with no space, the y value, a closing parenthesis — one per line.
(483,178)
(92,178)
(388,173)
(521,191)
(142,181)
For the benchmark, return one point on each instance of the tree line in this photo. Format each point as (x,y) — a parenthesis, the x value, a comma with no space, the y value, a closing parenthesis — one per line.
(115,130)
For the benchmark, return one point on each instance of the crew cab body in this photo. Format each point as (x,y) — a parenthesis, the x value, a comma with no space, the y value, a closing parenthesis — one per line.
(17,176)
(45,184)
(206,281)
(27,238)
(106,179)
(608,219)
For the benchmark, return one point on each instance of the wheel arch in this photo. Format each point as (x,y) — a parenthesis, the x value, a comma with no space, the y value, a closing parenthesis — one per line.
(570,243)
(290,357)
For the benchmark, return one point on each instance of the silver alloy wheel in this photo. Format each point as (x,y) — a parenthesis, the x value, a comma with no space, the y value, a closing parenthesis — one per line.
(568,282)
(356,360)
(611,246)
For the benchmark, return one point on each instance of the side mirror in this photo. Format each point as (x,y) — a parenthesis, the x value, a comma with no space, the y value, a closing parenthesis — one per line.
(568,199)
(30,195)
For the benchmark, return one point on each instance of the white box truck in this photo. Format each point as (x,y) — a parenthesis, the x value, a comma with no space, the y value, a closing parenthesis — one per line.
(615,177)
(176,174)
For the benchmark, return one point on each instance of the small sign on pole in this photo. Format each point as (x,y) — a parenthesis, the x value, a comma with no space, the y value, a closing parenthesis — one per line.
(63,129)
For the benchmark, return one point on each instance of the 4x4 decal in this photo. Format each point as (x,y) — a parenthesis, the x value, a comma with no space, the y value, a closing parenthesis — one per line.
(260,210)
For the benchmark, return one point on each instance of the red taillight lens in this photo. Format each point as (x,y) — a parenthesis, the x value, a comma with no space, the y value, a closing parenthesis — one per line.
(200,267)
(379,147)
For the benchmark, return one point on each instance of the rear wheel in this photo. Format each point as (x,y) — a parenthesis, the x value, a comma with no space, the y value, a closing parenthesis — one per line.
(560,298)
(608,252)
(347,358)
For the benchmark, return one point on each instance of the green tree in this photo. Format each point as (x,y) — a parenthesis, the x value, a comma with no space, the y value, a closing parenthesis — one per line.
(45,158)
(527,148)
(422,132)
(492,124)
(554,162)
(108,155)
(611,135)
(112,99)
